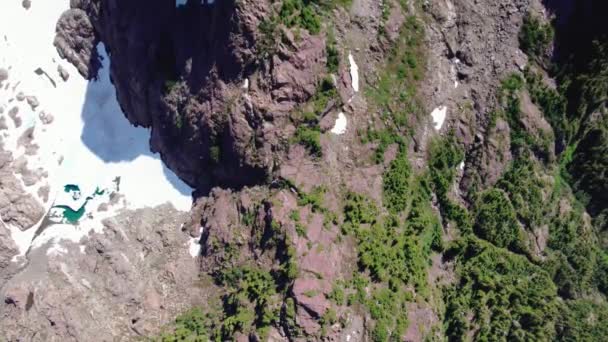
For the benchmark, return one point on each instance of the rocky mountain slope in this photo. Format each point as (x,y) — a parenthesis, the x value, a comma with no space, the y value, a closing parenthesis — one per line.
(363,171)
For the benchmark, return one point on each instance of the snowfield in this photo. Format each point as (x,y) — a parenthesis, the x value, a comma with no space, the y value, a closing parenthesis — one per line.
(89,143)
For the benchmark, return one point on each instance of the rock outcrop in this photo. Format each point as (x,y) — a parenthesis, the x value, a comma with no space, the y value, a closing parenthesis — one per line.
(76,41)
(17,207)
(122,284)
(180,71)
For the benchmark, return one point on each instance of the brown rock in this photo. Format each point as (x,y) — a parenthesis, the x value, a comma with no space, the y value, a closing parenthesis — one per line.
(46,118)
(3,124)
(63,73)
(308,293)
(108,285)
(3,75)
(14,114)
(295,79)
(76,42)
(43,192)
(17,297)
(152,300)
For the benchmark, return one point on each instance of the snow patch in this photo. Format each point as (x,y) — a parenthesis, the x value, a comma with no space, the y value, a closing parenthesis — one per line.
(454,73)
(194,246)
(86,283)
(439,114)
(340,125)
(354,72)
(60,232)
(56,250)
(22,239)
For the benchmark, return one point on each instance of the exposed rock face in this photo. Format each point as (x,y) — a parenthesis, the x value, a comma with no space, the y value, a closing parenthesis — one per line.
(76,41)
(272,237)
(180,72)
(63,73)
(7,250)
(3,75)
(473,48)
(121,284)
(490,158)
(17,207)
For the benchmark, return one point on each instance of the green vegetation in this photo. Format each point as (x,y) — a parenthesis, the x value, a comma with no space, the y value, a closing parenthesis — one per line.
(583,320)
(551,102)
(300,230)
(384,138)
(307,118)
(521,139)
(393,249)
(332,53)
(250,303)
(311,139)
(294,215)
(572,257)
(444,157)
(178,121)
(337,294)
(307,13)
(535,36)
(215,153)
(395,94)
(300,13)
(528,264)
(588,172)
(395,183)
(358,210)
(169,86)
(267,43)
(507,297)
(249,300)
(495,220)
(190,326)
(251,296)
(296,15)
(388,252)
(315,199)
(525,190)
(387,309)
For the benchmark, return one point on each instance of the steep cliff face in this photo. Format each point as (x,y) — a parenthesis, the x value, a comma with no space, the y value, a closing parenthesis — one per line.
(196,77)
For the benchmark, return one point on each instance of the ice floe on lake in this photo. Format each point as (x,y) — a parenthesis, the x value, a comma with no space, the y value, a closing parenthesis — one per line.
(89,144)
